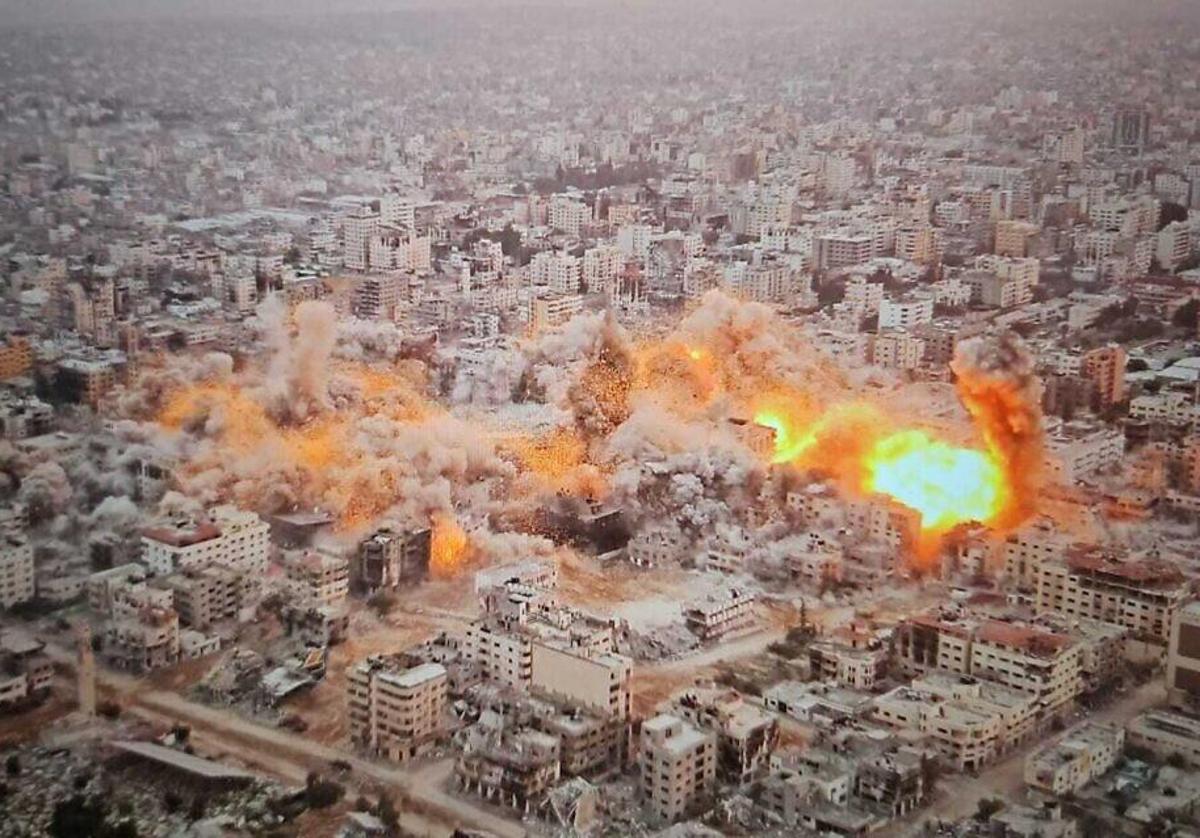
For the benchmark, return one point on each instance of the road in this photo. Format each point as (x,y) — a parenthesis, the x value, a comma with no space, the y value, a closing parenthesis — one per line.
(959,795)
(429,809)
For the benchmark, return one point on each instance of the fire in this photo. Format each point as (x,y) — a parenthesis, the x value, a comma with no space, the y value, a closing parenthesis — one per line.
(945,484)
(450,548)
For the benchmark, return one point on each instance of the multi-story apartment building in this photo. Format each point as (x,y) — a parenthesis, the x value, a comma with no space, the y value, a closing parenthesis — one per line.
(1044,664)
(1183,658)
(552,310)
(17,583)
(142,640)
(376,296)
(317,577)
(599,682)
(230,536)
(16,356)
(396,710)
(208,595)
(1105,367)
(678,766)
(1141,595)
(1014,239)
(905,313)
(569,213)
(358,231)
(389,557)
(715,616)
(1027,548)
(1076,450)
(746,734)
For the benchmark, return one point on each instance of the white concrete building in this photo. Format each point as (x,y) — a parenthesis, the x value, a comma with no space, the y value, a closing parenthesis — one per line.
(231,537)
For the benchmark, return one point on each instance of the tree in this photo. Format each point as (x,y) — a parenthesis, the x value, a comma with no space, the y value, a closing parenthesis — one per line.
(1171,212)
(987,807)
(320,793)
(1185,316)
(386,812)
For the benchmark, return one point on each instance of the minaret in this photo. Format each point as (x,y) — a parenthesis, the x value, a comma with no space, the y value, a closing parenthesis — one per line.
(85,671)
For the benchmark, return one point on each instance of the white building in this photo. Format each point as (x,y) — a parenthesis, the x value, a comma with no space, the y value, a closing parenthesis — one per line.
(1068,764)
(231,537)
(906,313)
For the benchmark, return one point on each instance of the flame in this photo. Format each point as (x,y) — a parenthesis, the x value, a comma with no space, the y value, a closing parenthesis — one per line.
(944,484)
(450,548)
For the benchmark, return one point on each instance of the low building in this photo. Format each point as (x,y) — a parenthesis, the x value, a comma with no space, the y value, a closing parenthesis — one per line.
(1166,732)
(143,640)
(513,766)
(1074,760)
(719,615)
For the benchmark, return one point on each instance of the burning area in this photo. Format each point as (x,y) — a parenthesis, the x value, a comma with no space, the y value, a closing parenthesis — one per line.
(681,429)
(866,453)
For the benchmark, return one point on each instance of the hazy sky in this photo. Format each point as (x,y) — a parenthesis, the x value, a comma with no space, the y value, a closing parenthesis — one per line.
(20,12)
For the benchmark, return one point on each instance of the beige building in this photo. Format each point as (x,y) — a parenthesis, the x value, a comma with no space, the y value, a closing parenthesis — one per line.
(718,615)
(396,710)
(209,595)
(16,570)
(143,640)
(970,721)
(1142,596)
(1028,548)
(552,310)
(1183,657)
(1074,760)
(317,577)
(1105,367)
(1166,732)
(596,682)
(746,734)
(679,766)
(16,357)
(1044,664)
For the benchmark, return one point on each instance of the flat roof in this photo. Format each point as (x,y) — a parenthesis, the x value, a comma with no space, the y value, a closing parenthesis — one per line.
(197,766)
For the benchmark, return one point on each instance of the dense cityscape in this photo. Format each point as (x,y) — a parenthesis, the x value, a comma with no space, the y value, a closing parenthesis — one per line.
(600,418)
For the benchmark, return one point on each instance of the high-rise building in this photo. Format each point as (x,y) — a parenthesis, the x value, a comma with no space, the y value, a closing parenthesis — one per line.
(1131,129)
(359,230)
(16,356)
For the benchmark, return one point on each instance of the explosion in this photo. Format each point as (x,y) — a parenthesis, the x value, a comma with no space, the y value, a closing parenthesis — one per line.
(945,484)
(655,426)
(450,549)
